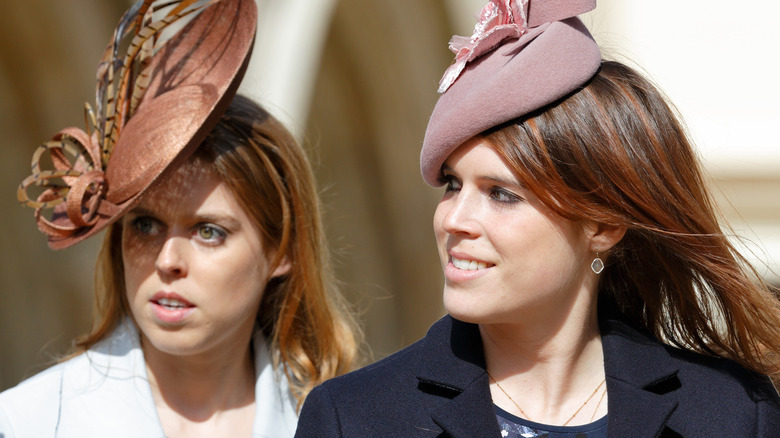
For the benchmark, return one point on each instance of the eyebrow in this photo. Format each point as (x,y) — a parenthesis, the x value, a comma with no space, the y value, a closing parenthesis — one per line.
(503,181)
(139,211)
(226,219)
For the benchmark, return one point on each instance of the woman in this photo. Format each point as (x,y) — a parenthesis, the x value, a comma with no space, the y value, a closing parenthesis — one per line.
(216,309)
(590,289)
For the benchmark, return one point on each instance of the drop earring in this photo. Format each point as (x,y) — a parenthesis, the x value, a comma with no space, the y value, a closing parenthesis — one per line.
(597,265)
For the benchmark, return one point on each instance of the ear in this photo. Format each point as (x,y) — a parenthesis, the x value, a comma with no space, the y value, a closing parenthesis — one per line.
(603,237)
(282,268)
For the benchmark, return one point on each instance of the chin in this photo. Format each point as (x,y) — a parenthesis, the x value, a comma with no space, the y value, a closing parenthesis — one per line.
(174,343)
(472,317)
(478,309)
(466,311)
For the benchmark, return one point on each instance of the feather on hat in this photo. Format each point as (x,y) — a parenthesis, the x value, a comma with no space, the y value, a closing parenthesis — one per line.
(155,103)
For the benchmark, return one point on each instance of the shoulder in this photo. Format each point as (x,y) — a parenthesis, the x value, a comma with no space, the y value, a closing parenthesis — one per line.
(375,397)
(642,357)
(398,367)
(32,407)
(102,389)
(714,376)
(725,395)
(698,394)
(48,379)
(368,399)
(634,355)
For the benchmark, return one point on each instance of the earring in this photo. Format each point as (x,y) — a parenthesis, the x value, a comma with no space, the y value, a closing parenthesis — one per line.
(597,265)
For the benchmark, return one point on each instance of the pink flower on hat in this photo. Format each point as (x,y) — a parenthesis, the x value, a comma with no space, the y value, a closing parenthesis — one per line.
(499,20)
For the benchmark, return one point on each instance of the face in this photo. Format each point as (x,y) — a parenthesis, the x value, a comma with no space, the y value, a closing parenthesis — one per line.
(506,257)
(195,266)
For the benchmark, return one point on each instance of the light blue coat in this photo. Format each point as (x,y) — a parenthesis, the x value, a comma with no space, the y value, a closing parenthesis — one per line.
(105,392)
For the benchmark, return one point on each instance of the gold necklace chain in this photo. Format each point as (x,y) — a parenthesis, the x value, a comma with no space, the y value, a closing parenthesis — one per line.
(596,409)
(572,415)
(508,396)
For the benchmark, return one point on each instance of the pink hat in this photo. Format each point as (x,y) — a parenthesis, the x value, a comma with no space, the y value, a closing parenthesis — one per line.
(523,55)
(155,104)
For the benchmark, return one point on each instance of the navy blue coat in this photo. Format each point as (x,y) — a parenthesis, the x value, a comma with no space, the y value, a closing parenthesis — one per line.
(438,387)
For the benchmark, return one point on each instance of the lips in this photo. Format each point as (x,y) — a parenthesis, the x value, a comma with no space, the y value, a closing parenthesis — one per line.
(170,300)
(467,262)
(468,265)
(169,307)
(462,268)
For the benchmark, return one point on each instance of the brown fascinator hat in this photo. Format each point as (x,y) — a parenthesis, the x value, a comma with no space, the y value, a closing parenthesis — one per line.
(157,99)
(523,55)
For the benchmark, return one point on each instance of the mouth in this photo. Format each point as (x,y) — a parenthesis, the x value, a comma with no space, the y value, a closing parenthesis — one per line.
(467,265)
(171,304)
(170,301)
(171,308)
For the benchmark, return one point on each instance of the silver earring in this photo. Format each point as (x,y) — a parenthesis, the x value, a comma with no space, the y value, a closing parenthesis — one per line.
(597,265)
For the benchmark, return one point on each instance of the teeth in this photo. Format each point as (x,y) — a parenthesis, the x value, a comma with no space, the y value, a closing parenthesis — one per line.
(468,265)
(170,303)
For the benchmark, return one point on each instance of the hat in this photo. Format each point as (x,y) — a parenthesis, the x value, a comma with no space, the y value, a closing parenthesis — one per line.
(154,105)
(523,55)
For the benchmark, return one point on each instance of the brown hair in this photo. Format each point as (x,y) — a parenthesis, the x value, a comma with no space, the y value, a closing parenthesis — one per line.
(302,314)
(615,152)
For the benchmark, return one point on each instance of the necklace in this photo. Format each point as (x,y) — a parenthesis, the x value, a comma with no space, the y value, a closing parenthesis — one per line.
(596,409)
(572,415)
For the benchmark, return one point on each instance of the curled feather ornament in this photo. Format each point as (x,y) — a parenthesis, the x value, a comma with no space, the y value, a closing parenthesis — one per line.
(77,185)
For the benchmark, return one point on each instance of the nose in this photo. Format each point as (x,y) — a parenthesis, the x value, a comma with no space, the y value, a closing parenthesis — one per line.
(171,260)
(458,213)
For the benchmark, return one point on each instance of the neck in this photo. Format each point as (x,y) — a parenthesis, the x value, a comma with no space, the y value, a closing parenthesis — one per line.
(200,387)
(548,370)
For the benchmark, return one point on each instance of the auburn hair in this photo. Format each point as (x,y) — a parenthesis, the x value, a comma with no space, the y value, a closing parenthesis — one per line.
(303,316)
(615,152)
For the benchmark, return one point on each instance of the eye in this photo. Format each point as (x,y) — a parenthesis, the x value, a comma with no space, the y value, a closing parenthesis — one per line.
(504,196)
(211,233)
(451,183)
(146,225)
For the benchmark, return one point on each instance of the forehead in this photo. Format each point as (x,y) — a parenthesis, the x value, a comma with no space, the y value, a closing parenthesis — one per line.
(479,155)
(192,178)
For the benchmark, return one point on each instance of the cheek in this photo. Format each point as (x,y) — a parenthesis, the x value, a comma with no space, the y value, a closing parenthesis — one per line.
(243,276)
(138,260)
(556,255)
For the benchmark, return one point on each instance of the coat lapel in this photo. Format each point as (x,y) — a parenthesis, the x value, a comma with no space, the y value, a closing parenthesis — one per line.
(635,412)
(454,369)
(468,415)
(642,380)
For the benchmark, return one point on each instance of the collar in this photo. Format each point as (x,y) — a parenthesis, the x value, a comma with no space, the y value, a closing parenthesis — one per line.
(641,397)
(641,378)
(275,407)
(453,367)
(107,388)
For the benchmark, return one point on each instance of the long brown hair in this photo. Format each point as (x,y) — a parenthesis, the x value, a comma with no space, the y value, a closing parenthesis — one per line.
(303,316)
(615,152)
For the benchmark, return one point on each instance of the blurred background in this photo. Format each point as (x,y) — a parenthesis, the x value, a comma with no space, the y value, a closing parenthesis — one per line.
(356,80)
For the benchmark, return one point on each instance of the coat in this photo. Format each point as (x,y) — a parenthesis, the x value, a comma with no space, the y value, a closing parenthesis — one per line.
(105,392)
(438,387)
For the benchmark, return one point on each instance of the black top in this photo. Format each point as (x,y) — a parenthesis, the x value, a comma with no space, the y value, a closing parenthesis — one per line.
(513,426)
